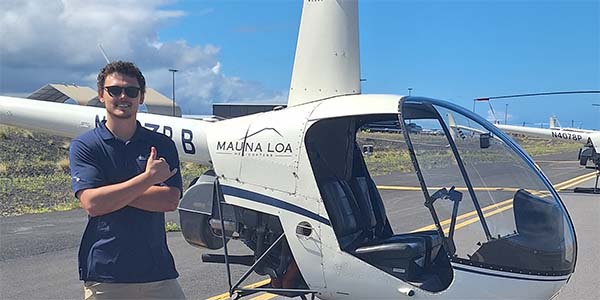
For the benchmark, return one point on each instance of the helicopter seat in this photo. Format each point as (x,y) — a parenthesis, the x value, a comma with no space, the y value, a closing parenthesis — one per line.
(406,256)
(537,243)
(539,222)
(341,207)
(540,228)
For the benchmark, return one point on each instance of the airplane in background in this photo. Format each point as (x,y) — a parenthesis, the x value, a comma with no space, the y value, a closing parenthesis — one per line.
(589,139)
(291,185)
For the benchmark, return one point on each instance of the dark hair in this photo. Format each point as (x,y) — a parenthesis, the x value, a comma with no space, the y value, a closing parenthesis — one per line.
(122,67)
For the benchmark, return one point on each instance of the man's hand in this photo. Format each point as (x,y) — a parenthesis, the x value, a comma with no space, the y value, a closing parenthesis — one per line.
(158,170)
(140,191)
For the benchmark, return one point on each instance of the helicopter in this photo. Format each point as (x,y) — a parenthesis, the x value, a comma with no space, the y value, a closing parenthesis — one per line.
(293,187)
(589,153)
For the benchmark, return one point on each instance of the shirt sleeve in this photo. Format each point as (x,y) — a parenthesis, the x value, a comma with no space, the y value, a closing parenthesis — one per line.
(172,158)
(85,169)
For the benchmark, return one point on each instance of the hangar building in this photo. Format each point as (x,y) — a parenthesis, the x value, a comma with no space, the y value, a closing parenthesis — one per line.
(154,102)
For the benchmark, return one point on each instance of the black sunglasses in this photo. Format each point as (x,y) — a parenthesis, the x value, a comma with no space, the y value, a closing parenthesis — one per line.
(130,91)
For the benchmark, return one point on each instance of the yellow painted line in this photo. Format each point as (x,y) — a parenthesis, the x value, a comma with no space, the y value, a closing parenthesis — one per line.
(416,188)
(250,286)
(266,296)
(578,179)
(555,161)
(473,220)
(498,206)
(399,188)
(466,215)
(569,183)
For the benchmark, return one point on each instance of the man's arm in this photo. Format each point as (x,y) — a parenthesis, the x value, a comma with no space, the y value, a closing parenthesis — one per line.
(106,199)
(158,199)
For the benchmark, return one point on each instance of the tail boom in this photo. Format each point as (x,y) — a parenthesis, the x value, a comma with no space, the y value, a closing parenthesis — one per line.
(70,121)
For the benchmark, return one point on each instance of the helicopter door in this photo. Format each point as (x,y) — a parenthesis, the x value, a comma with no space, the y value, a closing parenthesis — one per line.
(495,209)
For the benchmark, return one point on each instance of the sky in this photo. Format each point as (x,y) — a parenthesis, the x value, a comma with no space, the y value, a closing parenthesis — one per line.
(243,51)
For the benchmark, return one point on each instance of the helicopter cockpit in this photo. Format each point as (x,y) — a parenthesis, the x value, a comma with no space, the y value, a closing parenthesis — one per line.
(487,207)
(426,195)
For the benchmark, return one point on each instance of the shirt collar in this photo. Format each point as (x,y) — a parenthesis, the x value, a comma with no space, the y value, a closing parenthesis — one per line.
(106,134)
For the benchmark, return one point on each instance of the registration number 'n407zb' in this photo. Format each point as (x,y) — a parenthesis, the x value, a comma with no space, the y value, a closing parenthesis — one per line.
(187,136)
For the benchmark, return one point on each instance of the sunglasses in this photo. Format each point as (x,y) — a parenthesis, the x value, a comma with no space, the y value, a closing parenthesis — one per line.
(116,91)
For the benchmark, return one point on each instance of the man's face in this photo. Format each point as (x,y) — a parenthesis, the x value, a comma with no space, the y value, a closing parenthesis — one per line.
(119,104)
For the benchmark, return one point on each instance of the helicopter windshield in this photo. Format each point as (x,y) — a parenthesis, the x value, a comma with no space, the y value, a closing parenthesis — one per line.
(434,187)
(494,208)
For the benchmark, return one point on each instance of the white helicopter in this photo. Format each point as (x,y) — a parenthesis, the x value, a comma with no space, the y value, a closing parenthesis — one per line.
(292,185)
(590,139)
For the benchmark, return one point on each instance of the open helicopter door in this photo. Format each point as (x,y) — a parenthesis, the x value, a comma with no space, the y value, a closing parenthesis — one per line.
(498,215)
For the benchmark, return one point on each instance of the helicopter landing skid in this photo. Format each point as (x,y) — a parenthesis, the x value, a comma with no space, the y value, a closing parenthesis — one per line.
(594,190)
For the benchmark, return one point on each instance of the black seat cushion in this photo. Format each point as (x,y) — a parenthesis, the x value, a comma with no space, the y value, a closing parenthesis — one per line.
(405,256)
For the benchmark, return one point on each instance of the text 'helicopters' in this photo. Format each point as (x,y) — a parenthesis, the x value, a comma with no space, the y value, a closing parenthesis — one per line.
(293,188)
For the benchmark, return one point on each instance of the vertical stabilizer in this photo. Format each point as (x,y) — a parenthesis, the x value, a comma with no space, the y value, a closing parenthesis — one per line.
(455,131)
(327,55)
(553,122)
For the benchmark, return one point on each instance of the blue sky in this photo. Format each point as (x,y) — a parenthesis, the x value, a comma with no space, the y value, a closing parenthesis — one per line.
(236,51)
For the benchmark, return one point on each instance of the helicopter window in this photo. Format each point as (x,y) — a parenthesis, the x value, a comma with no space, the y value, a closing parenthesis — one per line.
(356,207)
(504,216)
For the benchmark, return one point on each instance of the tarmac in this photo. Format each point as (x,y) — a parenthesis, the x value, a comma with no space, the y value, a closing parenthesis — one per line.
(38,253)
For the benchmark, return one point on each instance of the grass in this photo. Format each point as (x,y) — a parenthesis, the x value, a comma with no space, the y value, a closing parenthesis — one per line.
(63,165)
(388,161)
(172,227)
(40,210)
(535,146)
(40,193)
(391,155)
(189,171)
(4,131)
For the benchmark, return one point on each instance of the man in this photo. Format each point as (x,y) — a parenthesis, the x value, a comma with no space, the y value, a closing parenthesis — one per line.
(125,178)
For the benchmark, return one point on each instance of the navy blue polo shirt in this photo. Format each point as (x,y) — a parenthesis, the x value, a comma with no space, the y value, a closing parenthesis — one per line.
(128,245)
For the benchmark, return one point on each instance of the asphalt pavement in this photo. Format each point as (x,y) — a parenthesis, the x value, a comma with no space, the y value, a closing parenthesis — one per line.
(38,253)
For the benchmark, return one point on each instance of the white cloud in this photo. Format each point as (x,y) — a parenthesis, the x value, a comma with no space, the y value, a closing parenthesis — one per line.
(197,88)
(56,41)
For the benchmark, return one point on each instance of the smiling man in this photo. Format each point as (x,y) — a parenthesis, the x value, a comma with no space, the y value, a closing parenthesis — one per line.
(125,177)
